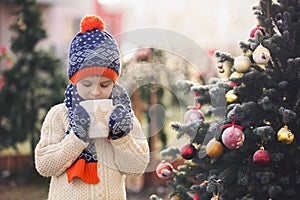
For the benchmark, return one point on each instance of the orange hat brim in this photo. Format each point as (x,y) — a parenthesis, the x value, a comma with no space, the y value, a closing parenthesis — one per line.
(92,71)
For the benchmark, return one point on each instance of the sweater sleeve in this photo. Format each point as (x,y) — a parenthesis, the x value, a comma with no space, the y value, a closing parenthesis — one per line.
(132,151)
(55,152)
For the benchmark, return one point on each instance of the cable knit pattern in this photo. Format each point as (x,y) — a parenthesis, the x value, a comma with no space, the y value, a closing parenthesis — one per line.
(56,152)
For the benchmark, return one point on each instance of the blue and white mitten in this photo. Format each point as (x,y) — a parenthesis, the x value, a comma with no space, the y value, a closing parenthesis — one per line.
(120,121)
(81,123)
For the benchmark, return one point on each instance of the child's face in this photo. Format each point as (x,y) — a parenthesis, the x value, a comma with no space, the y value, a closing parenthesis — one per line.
(95,87)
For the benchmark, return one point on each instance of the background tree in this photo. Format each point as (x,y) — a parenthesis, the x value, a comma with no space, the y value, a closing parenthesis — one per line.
(34,82)
(248,145)
(147,92)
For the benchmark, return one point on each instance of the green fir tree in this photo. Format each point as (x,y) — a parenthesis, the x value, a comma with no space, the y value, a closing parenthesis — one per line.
(33,84)
(248,145)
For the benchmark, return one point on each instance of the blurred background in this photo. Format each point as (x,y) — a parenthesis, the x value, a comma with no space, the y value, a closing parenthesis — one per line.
(209,25)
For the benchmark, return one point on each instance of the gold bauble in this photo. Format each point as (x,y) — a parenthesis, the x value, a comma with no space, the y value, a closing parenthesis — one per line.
(214,149)
(215,197)
(176,197)
(285,135)
(236,75)
(190,163)
(231,96)
(242,64)
(248,53)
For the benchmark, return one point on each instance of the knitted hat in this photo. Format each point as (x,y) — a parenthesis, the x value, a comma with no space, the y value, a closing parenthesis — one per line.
(93,51)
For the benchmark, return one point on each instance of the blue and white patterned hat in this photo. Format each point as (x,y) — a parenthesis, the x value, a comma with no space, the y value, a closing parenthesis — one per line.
(93,51)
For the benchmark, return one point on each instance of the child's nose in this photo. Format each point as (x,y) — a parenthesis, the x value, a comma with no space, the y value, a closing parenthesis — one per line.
(96,91)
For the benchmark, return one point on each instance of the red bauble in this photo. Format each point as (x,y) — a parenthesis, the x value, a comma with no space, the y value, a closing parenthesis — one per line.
(188,151)
(261,156)
(233,138)
(196,197)
(164,170)
(257,28)
(233,84)
(2,81)
(192,115)
(3,50)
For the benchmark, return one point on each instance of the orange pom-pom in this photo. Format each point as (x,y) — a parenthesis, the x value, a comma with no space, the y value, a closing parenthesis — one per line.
(88,23)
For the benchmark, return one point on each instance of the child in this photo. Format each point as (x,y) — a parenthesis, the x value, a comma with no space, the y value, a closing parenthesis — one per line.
(81,167)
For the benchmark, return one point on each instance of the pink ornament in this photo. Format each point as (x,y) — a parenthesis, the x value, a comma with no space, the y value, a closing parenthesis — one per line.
(233,137)
(261,156)
(164,170)
(193,115)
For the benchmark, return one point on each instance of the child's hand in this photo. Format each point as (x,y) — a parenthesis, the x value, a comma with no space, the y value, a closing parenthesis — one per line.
(81,123)
(120,122)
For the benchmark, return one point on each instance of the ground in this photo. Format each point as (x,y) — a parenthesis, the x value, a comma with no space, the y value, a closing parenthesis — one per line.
(11,190)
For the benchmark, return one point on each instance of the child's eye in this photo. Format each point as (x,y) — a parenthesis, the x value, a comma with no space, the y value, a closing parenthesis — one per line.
(104,85)
(86,83)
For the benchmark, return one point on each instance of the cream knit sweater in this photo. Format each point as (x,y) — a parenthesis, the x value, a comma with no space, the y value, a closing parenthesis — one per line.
(55,152)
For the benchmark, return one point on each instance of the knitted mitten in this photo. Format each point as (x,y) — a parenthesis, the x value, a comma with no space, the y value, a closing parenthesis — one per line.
(120,121)
(81,123)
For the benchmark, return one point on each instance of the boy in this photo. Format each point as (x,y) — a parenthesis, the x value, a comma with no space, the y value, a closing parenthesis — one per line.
(81,167)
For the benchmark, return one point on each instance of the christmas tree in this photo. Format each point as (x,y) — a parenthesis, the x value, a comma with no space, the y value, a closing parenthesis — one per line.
(245,144)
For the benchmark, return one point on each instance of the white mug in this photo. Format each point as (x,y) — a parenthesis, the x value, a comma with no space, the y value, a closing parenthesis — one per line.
(99,111)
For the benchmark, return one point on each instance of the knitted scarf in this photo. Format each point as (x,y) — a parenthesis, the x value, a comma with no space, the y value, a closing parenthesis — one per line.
(85,167)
